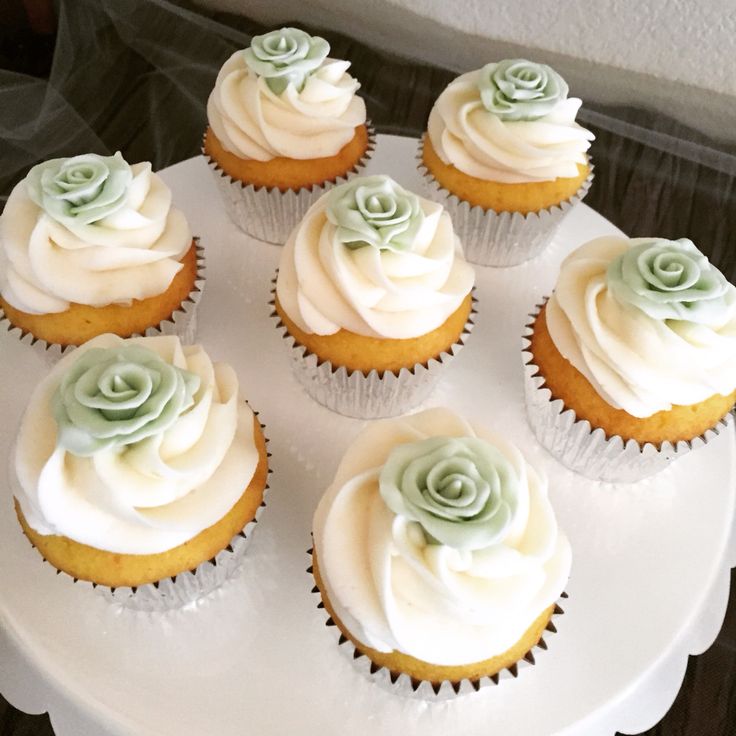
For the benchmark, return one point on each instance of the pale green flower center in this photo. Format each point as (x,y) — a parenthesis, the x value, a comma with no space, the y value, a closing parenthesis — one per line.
(375,211)
(287,56)
(119,396)
(670,279)
(462,491)
(81,190)
(516,89)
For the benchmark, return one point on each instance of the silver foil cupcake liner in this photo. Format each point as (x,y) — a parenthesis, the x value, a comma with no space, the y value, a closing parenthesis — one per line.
(270,214)
(400,683)
(187,587)
(588,450)
(182,322)
(500,239)
(368,396)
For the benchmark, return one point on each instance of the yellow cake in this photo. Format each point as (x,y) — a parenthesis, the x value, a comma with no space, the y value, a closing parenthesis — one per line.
(373,283)
(93,245)
(524,197)
(126,496)
(285,173)
(504,138)
(363,353)
(81,322)
(398,662)
(284,123)
(639,340)
(565,382)
(401,567)
(504,155)
(119,570)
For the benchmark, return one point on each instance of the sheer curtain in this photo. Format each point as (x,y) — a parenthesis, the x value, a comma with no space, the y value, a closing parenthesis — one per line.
(134,75)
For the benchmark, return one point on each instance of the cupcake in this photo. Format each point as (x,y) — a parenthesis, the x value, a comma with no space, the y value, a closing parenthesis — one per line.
(633,357)
(136,462)
(375,294)
(91,245)
(437,553)
(285,123)
(504,154)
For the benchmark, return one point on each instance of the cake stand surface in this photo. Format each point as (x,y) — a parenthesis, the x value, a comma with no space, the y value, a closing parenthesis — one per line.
(650,570)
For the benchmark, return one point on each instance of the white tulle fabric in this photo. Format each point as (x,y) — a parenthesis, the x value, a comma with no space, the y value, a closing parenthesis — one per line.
(635,362)
(463,133)
(394,592)
(132,254)
(324,286)
(152,496)
(253,122)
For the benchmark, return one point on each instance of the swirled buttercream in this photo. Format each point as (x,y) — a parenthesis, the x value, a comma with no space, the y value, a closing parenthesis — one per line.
(450,601)
(89,230)
(153,480)
(313,116)
(510,122)
(650,323)
(371,258)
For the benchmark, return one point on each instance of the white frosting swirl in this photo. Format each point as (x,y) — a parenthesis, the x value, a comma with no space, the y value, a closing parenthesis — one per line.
(253,122)
(396,592)
(151,496)
(636,362)
(478,143)
(133,253)
(324,285)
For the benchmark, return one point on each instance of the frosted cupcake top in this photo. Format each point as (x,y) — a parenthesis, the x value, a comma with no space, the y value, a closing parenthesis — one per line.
(437,539)
(649,322)
(372,258)
(134,446)
(509,122)
(284,96)
(91,230)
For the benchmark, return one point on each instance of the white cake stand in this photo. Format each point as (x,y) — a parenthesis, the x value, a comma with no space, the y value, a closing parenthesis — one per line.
(650,572)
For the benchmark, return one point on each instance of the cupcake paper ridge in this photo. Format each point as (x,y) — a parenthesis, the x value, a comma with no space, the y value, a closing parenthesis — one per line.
(588,450)
(369,395)
(267,213)
(501,239)
(463,607)
(400,683)
(189,586)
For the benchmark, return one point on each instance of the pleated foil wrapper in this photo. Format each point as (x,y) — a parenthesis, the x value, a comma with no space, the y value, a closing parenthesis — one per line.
(402,684)
(500,239)
(182,322)
(180,590)
(188,587)
(270,214)
(367,396)
(588,450)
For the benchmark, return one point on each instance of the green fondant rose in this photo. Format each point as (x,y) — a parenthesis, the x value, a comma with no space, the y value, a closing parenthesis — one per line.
(117,396)
(461,490)
(376,211)
(670,279)
(288,55)
(516,89)
(80,190)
